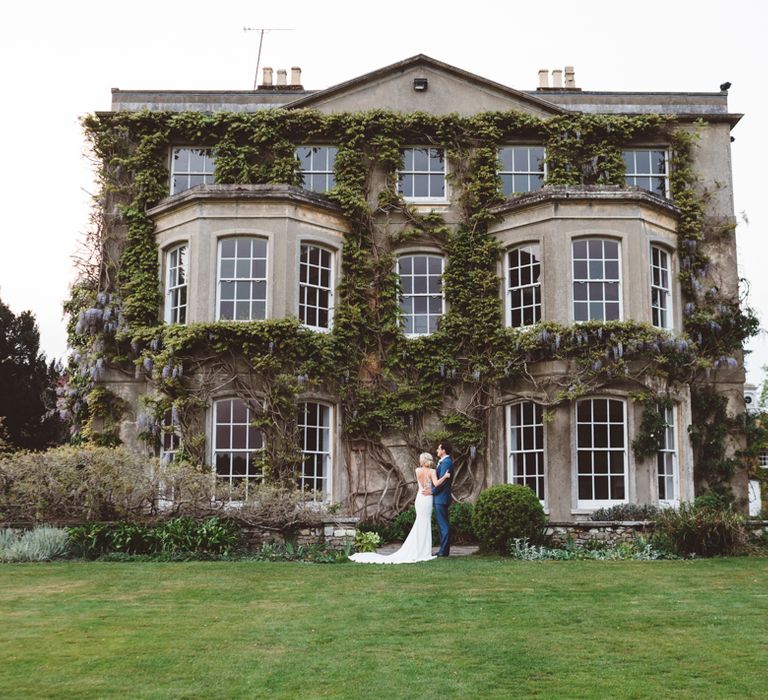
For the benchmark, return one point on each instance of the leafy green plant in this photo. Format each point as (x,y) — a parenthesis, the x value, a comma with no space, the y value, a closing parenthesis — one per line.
(39,544)
(316,553)
(367,541)
(621,551)
(398,528)
(179,535)
(700,530)
(625,511)
(507,512)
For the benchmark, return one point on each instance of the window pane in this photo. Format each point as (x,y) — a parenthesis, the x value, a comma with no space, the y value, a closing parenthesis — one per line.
(420,159)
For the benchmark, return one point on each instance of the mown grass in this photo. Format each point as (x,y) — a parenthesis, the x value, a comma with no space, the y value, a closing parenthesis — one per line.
(457,628)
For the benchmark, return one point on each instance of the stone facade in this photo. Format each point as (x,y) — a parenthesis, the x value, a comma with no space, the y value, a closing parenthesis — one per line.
(636,224)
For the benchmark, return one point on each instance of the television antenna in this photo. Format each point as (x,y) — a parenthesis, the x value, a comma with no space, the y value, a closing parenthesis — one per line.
(261,31)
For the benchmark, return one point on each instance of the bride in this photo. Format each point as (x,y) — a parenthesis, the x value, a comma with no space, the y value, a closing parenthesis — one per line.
(418,544)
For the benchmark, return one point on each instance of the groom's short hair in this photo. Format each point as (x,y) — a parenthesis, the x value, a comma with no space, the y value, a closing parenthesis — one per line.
(446,445)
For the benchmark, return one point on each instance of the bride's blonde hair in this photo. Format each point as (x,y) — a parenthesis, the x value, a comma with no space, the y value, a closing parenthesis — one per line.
(426,459)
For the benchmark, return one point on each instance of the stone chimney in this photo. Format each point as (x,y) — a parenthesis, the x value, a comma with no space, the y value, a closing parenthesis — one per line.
(570,77)
(557,80)
(282,80)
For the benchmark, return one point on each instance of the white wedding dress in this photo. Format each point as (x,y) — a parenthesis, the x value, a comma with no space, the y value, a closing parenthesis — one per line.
(418,544)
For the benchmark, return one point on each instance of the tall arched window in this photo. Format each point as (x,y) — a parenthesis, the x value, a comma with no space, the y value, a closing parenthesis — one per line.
(596,280)
(314,422)
(661,292)
(666,459)
(237,445)
(315,286)
(601,452)
(176,275)
(242,279)
(526,446)
(523,285)
(421,284)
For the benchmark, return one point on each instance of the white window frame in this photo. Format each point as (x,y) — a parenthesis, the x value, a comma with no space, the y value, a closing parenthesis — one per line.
(667,460)
(631,175)
(535,286)
(762,459)
(250,280)
(170,437)
(664,309)
(604,281)
(253,454)
(323,250)
(317,172)
(415,295)
(206,173)
(514,476)
(429,199)
(176,260)
(529,173)
(307,482)
(594,503)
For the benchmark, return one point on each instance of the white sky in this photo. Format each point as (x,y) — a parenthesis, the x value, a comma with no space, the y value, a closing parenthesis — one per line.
(60,60)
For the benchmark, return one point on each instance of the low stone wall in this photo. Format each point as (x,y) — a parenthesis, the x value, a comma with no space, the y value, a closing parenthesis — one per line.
(336,533)
(603,531)
(612,532)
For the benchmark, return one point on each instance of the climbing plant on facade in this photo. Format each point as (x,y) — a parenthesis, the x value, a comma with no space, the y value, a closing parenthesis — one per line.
(385,382)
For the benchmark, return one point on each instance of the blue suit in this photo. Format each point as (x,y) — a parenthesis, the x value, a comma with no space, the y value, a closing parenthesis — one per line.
(441,503)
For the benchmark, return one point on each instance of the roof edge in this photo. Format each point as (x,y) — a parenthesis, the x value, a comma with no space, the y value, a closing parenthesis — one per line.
(424,59)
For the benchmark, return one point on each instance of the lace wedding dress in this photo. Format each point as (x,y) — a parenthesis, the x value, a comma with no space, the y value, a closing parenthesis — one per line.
(418,544)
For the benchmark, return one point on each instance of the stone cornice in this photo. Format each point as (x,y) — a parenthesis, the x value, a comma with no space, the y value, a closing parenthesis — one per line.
(289,194)
(587,193)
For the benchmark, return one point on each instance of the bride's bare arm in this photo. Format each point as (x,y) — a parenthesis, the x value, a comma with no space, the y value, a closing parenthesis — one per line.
(435,480)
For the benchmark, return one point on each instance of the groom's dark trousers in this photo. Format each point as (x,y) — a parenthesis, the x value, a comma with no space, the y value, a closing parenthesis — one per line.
(442,504)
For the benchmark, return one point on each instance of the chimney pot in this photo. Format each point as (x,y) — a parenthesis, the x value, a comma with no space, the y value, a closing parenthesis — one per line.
(296,76)
(267,79)
(543,78)
(282,76)
(570,77)
(557,78)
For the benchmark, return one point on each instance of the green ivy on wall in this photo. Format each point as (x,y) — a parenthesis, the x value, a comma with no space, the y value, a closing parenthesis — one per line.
(385,381)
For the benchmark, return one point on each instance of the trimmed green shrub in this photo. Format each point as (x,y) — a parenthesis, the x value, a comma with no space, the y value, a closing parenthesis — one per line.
(460,516)
(626,511)
(397,530)
(39,544)
(507,512)
(693,529)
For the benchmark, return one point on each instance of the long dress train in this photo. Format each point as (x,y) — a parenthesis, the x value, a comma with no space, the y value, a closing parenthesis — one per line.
(418,544)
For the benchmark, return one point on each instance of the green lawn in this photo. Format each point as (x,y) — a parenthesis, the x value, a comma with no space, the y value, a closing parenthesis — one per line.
(466,627)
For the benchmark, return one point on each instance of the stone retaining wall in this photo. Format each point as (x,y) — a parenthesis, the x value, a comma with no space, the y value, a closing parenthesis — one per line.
(336,533)
(612,532)
(603,531)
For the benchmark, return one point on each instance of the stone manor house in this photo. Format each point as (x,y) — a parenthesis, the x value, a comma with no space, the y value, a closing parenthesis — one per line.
(380,342)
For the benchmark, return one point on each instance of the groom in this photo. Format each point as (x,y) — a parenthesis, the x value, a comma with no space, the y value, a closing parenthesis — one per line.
(442,497)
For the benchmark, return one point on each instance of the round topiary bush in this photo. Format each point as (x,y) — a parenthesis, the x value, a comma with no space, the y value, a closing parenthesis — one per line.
(507,512)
